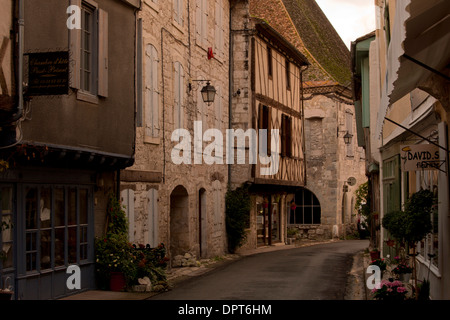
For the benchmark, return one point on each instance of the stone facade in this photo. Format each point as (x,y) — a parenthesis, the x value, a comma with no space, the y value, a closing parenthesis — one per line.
(180,205)
(330,163)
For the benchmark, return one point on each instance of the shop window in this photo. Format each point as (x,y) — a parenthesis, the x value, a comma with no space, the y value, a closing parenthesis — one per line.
(56,227)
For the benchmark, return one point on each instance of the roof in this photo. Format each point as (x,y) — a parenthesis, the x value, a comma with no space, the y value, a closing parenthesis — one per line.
(304,24)
(265,29)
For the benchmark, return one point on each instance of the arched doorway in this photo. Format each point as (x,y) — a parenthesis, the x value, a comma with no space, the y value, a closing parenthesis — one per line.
(179,221)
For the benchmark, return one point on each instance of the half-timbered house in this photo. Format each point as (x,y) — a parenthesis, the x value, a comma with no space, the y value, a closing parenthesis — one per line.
(267,96)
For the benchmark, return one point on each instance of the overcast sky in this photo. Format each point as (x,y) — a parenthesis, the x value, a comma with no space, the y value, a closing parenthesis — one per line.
(351,18)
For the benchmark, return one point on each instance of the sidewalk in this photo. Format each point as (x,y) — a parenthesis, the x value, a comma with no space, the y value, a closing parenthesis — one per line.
(176,275)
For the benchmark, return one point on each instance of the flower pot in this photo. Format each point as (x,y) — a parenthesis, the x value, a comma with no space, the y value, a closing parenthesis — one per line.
(404,277)
(5,295)
(374,255)
(117,281)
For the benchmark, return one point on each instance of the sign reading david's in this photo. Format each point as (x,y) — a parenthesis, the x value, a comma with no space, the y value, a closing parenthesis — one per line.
(420,157)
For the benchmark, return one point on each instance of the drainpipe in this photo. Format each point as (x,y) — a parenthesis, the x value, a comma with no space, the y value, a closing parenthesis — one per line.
(231,83)
(21,25)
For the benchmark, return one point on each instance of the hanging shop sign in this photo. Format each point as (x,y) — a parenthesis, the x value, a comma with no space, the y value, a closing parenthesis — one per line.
(420,157)
(48,73)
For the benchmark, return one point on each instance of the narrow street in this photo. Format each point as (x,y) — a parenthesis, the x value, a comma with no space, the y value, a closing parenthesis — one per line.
(308,273)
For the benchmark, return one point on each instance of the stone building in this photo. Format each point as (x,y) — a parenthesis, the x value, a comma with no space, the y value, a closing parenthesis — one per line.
(172,196)
(63,140)
(334,167)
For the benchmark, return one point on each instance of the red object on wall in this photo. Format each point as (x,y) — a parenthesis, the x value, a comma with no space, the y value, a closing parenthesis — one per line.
(210,53)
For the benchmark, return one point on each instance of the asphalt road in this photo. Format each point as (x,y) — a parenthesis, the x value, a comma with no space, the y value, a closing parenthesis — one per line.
(317,272)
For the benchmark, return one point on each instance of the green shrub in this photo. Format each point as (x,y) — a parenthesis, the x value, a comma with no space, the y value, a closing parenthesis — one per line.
(237,216)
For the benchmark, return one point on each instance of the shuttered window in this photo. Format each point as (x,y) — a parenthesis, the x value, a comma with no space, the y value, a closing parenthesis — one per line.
(179,93)
(89,50)
(265,119)
(152,218)
(286,135)
(127,200)
(178,11)
(201,20)
(151,92)
(219,29)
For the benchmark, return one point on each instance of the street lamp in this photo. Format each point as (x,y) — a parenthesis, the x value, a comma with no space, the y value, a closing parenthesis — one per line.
(348,138)
(208,92)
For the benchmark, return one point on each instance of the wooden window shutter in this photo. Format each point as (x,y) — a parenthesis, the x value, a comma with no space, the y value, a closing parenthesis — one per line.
(204,21)
(283,135)
(102,53)
(155,95)
(148,92)
(269,131)
(75,52)
(289,137)
(177,95)
(182,92)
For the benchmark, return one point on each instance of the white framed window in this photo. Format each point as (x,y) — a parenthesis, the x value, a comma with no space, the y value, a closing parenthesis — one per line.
(219,29)
(179,94)
(178,11)
(89,52)
(201,21)
(151,92)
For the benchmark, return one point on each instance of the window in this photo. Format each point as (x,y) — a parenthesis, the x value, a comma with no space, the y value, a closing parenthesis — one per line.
(269,61)
(219,29)
(6,224)
(286,135)
(264,123)
(151,92)
(179,92)
(178,11)
(89,51)
(201,22)
(87,46)
(307,210)
(57,221)
(288,74)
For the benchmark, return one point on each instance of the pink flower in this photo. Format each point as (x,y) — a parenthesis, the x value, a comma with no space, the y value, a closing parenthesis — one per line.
(401,289)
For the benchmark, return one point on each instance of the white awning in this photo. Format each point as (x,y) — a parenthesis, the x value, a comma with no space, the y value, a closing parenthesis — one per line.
(420,35)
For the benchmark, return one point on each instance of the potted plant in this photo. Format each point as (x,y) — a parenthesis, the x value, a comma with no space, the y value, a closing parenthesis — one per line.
(381,263)
(403,271)
(374,254)
(115,262)
(412,224)
(390,290)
